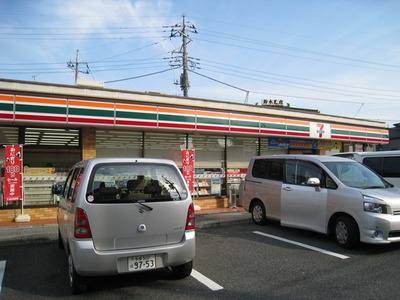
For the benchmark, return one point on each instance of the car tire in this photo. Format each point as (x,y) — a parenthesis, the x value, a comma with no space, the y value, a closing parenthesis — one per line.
(77,282)
(258,213)
(182,271)
(347,234)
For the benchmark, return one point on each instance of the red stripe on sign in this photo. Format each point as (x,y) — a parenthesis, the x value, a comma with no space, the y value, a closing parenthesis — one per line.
(248,130)
(90,121)
(136,123)
(6,116)
(276,132)
(40,118)
(173,125)
(303,134)
(213,128)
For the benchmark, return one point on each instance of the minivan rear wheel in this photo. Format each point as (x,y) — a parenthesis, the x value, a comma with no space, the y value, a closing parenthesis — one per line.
(258,213)
(76,281)
(182,271)
(347,234)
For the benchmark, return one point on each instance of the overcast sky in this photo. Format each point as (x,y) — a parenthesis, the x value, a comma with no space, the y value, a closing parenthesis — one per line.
(338,57)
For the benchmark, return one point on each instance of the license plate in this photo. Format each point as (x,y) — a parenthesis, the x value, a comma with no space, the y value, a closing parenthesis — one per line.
(145,262)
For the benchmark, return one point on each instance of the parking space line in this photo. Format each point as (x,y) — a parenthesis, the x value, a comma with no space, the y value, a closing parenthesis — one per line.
(302,245)
(206,281)
(2,270)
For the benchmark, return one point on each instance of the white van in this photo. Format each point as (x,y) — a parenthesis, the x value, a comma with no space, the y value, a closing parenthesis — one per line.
(385,163)
(125,215)
(326,194)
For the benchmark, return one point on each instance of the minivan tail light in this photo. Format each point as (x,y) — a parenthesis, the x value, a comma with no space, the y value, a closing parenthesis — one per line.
(190,220)
(82,227)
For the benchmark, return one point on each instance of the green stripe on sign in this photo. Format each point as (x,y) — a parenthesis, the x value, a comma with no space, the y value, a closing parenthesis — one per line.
(40,109)
(212,121)
(136,115)
(7,107)
(174,118)
(273,126)
(91,112)
(298,128)
(245,123)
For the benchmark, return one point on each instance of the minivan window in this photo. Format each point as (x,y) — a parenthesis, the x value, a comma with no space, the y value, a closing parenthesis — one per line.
(356,175)
(298,172)
(268,169)
(133,182)
(384,166)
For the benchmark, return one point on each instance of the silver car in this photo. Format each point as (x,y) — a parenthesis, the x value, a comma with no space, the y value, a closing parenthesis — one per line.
(123,215)
(324,194)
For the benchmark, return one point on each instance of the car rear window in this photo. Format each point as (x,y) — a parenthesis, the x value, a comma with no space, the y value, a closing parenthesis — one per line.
(135,182)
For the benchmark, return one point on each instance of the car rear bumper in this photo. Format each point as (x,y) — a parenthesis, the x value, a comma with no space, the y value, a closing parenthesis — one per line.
(90,262)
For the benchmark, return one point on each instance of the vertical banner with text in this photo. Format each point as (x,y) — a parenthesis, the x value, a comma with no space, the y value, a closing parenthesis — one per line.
(188,168)
(12,173)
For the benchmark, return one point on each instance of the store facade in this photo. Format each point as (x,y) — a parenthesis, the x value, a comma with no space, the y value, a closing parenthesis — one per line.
(60,124)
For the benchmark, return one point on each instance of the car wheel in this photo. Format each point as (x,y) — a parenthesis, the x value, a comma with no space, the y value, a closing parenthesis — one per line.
(60,242)
(182,271)
(76,281)
(258,213)
(347,234)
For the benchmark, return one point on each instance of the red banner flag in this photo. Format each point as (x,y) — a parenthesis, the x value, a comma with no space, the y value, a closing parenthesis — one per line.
(188,168)
(12,188)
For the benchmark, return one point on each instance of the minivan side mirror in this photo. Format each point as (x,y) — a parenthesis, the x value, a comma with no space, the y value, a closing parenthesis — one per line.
(313,181)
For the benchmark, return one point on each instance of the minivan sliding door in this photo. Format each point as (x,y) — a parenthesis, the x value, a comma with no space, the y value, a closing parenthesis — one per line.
(303,206)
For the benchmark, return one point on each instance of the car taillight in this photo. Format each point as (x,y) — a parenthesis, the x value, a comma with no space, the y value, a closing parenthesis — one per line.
(82,228)
(190,220)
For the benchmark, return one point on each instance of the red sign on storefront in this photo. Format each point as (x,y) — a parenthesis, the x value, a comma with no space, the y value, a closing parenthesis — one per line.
(12,185)
(188,168)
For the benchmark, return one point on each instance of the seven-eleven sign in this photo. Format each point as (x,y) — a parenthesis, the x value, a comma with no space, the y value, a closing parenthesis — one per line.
(320,130)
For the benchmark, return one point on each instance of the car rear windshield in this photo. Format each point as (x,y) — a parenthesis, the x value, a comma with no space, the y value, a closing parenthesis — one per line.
(135,182)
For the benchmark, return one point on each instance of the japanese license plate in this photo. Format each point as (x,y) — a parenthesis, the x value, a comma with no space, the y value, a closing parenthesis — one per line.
(145,262)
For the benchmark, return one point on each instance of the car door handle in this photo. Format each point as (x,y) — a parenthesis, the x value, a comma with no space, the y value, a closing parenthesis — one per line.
(287,188)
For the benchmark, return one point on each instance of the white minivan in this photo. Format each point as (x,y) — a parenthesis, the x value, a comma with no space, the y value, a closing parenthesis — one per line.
(385,163)
(326,194)
(125,215)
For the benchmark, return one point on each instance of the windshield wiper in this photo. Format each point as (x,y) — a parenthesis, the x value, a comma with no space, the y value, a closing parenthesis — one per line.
(172,186)
(374,187)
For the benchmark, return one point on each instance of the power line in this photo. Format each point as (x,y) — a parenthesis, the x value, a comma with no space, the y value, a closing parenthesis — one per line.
(135,77)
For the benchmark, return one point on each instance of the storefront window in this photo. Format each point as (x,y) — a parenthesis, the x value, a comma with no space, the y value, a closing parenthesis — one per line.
(119,143)
(209,164)
(164,145)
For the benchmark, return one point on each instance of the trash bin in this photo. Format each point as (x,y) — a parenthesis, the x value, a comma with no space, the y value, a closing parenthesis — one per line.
(232,197)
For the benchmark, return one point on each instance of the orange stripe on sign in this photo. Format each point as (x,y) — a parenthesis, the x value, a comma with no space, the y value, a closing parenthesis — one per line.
(41,100)
(212,114)
(245,117)
(176,111)
(136,107)
(91,104)
(7,97)
(358,128)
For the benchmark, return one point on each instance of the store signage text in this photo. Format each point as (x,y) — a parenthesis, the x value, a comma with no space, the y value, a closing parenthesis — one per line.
(12,187)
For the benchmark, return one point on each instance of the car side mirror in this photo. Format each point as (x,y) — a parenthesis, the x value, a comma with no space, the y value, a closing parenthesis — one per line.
(314,181)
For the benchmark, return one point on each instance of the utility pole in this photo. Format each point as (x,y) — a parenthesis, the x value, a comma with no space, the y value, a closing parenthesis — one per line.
(184,76)
(182,30)
(75,66)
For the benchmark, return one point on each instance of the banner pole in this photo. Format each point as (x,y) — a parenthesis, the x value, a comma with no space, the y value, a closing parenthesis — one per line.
(22,217)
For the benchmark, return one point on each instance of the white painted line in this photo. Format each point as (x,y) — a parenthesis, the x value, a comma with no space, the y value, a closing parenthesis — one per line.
(2,270)
(206,281)
(302,245)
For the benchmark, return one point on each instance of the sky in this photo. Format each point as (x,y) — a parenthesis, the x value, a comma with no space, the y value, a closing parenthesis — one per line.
(340,57)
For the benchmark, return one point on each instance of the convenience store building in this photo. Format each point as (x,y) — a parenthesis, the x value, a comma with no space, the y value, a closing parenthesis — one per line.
(59,125)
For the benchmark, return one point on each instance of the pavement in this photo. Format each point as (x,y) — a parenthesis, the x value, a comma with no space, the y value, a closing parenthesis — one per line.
(40,231)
